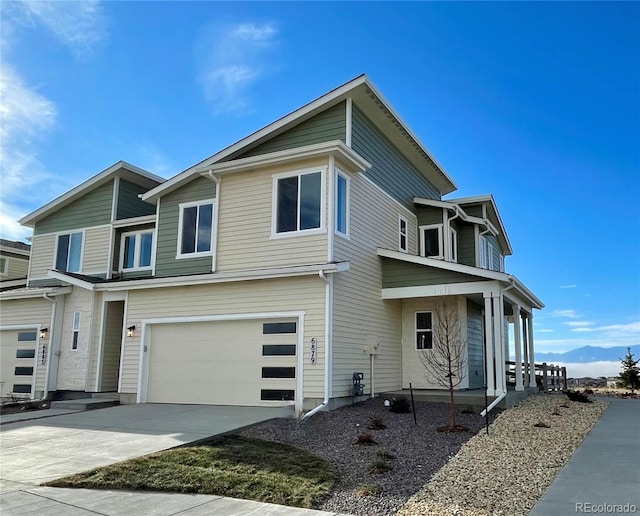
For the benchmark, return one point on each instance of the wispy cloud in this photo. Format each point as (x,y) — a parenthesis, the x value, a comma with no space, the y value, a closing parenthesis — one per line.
(579,324)
(27,116)
(572,314)
(231,59)
(568,286)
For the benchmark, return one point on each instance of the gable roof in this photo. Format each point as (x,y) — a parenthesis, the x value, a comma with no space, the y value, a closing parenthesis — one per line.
(367,98)
(120,169)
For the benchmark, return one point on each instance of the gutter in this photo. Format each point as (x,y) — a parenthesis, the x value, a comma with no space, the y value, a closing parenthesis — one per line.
(328,356)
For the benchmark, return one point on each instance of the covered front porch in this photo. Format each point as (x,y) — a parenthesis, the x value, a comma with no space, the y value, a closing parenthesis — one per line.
(494,311)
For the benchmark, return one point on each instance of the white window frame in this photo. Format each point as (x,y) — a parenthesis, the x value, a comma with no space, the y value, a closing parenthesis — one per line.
(137,251)
(274,203)
(4,266)
(402,220)
(423,246)
(453,241)
(55,254)
(416,329)
(75,331)
(182,207)
(347,203)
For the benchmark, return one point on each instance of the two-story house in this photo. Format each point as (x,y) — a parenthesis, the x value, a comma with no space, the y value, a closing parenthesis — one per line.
(267,273)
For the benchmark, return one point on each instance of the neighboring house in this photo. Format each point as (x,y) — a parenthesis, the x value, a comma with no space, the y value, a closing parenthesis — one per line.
(270,272)
(14,263)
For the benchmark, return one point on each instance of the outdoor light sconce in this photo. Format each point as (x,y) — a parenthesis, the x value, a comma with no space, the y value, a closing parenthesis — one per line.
(43,333)
(130,331)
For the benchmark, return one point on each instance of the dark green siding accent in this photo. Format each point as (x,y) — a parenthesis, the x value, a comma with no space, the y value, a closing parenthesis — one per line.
(467,245)
(137,274)
(330,125)
(199,189)
(396,273)
(428,215)
(475,340)
(92,209)
(129,205)
(391,170)
(473,211)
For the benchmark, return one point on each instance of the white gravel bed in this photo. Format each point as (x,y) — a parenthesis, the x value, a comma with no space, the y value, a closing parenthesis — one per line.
(506,471)
(418,451)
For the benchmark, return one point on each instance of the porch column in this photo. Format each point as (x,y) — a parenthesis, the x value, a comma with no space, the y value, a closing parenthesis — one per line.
(525,348)
(498,333)
(532,359)
(490,379)
(518,345)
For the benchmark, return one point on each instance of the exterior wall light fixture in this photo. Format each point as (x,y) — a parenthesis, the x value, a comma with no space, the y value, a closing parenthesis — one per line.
(130,331)
(43,333)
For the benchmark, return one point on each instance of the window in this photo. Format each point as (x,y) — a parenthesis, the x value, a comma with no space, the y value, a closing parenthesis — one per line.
(27,336)
(298,201)
(4,266)
(424,330)
(273,350)
(431,241)
(69,252)
(76,330)
(25,353)
(454,245)
(278,372)
(21,388)
(135,250)
(196,229)
(23,371)
(403,235)
(487,257)
(276,395)
(278,327)
(342,205)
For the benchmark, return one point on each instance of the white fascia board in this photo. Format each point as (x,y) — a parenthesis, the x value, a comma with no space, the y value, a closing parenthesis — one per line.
(453,205)
(13,283)
(336,148)
(486,288)
(224,277)
(32,292)
(441,264)
(522,289)
(30,219)
(134,221)
(73,281)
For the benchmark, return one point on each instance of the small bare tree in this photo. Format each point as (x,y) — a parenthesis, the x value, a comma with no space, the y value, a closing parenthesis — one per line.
(445,361)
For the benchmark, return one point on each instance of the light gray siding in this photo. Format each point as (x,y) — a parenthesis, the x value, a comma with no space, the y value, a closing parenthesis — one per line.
(92,209)
(129,204)
(327,126)
(167,232)
(391,170)
(475,346)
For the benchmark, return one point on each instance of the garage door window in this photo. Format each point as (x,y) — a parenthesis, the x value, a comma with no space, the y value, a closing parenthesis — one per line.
(278,372)
(278,350)
(21,388)
(278,327)
(23,371)
(27,336)
(277,394)
(25,353)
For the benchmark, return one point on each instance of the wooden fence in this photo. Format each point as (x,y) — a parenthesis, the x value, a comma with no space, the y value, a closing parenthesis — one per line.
(549,375)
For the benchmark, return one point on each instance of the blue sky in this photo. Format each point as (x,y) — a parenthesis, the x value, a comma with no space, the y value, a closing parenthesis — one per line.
(536,103)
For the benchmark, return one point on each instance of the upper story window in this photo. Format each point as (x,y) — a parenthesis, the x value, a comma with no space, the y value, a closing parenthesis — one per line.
(431,244)
(4,266)
(403,234)
(342,204)
(195,234)
(135,250)
(453,237)
(489,258)
(69,252)
(298,202)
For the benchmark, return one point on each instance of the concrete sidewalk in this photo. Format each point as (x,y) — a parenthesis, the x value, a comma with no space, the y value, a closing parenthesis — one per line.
(603,475)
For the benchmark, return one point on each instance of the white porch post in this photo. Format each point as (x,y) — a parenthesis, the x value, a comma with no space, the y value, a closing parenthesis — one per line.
(498,332)
(525,347)
(532,359)
(490,380)
(518,345)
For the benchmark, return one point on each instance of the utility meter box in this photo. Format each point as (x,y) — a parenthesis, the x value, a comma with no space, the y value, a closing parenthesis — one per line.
(373,345)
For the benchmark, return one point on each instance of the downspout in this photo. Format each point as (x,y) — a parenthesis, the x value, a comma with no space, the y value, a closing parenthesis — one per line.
(214,257)
(46,375)
(328,345)
(503,395)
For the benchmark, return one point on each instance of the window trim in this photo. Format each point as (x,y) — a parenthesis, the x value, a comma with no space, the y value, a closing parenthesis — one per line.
(136,253)
(274,203)
(75,331)
(453,240)
(416,329)
(347,207)
(4,266)
(405,248)
(182,206)
(439,227)
(55,254)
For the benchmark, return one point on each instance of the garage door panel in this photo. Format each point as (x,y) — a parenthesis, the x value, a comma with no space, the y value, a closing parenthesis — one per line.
(217,363)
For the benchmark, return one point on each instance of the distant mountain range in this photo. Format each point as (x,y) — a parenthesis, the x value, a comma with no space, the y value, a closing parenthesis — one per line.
(587,354)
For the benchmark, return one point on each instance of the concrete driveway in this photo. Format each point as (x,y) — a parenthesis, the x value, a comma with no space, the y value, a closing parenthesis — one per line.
(39,450)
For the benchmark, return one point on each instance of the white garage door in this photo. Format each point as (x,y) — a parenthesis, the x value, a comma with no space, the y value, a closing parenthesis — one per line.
(18,349)
(248,362)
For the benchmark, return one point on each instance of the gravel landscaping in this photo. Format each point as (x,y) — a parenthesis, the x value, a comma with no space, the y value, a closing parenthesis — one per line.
(418,451)
(465,474)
